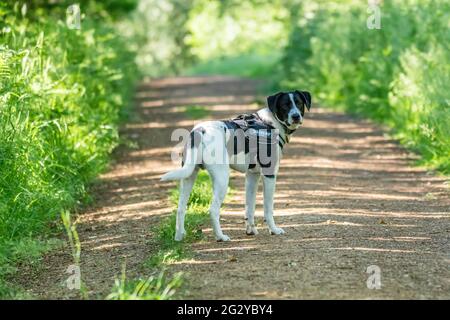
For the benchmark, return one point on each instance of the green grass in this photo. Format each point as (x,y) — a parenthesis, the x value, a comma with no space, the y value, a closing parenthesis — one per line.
(63,93)
(197,215)
(243,65)
(151,288)
(196,112)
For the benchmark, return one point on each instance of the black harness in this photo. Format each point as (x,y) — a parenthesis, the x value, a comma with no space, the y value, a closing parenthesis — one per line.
(256,125)
(266,135)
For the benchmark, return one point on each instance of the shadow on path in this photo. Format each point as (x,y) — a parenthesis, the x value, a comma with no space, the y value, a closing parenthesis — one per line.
(347,196)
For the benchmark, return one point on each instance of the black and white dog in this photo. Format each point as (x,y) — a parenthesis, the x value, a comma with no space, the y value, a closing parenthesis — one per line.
(273,125)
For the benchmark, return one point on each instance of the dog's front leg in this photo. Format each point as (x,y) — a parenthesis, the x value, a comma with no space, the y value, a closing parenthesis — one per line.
(269,192)
(251,187)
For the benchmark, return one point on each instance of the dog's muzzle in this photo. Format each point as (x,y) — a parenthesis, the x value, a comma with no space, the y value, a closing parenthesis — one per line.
(297,119)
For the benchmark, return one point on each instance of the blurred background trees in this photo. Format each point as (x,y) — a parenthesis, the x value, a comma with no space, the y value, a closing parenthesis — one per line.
(397,75)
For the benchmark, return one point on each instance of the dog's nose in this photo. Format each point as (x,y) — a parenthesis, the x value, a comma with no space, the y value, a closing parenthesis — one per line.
(296,118)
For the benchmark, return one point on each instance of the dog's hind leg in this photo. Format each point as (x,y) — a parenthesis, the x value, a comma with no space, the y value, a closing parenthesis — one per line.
(220,174)
(185,191)
(251,187)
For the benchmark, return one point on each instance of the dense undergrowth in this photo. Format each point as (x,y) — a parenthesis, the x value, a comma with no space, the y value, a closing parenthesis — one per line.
(62,94)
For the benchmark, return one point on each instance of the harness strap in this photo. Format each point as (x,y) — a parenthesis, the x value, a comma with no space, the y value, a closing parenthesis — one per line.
(242,122)
(289,131)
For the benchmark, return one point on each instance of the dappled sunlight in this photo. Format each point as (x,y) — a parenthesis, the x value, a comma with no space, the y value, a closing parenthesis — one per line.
(130,171)
(227,99)
(88,129)
(169,82)
(151,152)
(160,125)
(109,245)
(328,222)
(374,249)
(405,239)
(331,196)
(153,103)
(357,195)
(138,205)
(96,239)
(329,191)
(237,108)
(226,249)
(197,262)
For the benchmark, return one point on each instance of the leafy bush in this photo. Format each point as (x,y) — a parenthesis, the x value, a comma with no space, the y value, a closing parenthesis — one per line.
(62,93)
(421,102)
(397,75)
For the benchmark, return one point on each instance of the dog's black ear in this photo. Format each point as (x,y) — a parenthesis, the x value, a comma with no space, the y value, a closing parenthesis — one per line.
(272,101)
(306,98)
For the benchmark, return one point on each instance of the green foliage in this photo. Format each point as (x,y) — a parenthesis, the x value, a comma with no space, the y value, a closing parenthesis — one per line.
(196,112)
(168,255)
(160,27)
(62,93)
(152,288)
(421,103)
(249,65)
(227,28)
(210,36)
(397,75)
(94,8)
(243,38)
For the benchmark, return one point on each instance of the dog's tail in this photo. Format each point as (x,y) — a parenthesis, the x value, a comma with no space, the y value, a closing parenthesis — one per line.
(183,173)
(190,155)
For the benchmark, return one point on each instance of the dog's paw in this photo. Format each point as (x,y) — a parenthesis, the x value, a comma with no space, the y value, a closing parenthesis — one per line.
(180,236)
(277,231)
(251,230)
(223,237)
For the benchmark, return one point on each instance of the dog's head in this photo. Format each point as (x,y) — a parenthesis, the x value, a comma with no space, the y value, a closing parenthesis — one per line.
(289,107)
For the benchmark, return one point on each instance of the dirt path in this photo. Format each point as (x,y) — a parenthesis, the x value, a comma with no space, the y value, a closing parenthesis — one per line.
(346,195)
